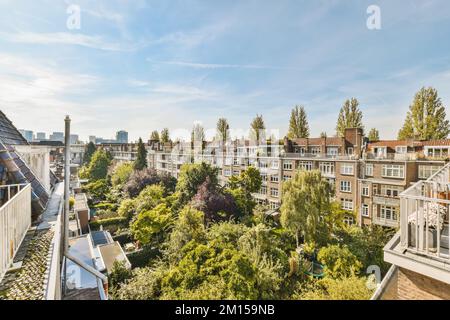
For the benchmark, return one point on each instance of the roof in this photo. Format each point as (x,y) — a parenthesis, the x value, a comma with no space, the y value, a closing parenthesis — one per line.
(9,134)
(331,141)
(409,143)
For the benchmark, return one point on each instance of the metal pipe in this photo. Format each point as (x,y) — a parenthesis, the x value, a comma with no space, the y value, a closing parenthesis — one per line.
(66,183)
(86,267)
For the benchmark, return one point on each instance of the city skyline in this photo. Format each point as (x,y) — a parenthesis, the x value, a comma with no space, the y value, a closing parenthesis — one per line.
(147,65)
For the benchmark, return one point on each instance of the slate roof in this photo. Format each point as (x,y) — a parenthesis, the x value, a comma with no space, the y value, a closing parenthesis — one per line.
(9,134)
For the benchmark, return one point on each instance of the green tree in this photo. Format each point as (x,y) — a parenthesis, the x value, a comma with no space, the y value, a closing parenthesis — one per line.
(165,137)
(298,124)
(141,160)
(197,135)
(305,200)
(191,177)
(89,152)
(257,128)
(154,136)
(374,135)
(323,134)
(350,116)
(152,224)
(426,118)
(351,288)
(222,130)
(241,188)
(127,208)
(98,166)
(149,198)
(121,174)
(339,262)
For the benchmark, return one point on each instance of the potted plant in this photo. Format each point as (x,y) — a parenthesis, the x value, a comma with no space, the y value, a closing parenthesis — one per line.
(434,213)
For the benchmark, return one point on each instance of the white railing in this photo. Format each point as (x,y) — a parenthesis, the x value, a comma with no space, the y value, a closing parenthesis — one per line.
(424,216)
(15,220)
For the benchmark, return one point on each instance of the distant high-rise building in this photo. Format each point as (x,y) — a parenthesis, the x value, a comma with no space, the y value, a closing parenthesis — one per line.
(92,139)
(57,136)
(74,139)
(27,134)
(41,136)
(122,136)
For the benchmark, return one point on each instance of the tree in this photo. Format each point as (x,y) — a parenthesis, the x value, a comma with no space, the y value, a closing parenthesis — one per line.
(197,135)
(298,124)
(152,224)
(165,137)
(351,288)
(426,118)
(305,200)
(140,179)
(323,134)
(374,135)
(154,136)
(216,204)
(241,188)
(191,177)
(257,128)
(149,198)
(98,166)
(338,261)
(222,130)
(88,153)
(121,174)
(350,116)
(141,160)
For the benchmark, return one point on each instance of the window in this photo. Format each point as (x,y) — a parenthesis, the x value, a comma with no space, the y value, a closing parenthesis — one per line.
(350,151)
(275,164)
(390,191)
(326,168)
(369,169)
(347,168)
(346,186)
(401,149)
(305,165)
(315,150)
(264,176)
(263,164)
(393,171)
(427,171)
(347,204)
(380,152)
(286,177)
(287,165)
(263,190)
(274,192)
(365,210)
(388,212)
(227,172)
(332,151)
(349,220)
(365,191)
(274,178)
(273,205)
(236,161)
(236,172)
(437,151)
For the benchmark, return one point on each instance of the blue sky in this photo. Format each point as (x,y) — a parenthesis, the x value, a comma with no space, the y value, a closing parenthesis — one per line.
(144,65)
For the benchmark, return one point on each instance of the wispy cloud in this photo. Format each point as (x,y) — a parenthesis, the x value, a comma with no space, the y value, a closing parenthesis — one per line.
(66,38)
(198,65)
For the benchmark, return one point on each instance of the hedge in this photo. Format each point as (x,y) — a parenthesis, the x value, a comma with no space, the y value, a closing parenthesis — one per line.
(141,258)
(113,223)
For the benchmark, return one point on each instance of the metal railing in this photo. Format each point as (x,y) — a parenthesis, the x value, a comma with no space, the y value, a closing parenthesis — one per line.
(424,216)
(15,220)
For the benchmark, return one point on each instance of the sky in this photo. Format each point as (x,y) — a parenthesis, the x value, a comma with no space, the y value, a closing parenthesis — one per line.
(145,65)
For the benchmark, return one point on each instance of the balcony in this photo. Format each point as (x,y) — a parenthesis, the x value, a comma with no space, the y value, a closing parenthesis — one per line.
(392,156)
(15,220)
(422,245)
(318,156)
(386,200)
(385,222)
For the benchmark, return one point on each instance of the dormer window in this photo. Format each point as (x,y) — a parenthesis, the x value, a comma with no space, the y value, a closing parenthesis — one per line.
(401,149)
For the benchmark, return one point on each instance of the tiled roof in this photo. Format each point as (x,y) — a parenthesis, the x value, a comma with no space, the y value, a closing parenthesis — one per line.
(410,143)
(331,141)
(443,142)
(9,134)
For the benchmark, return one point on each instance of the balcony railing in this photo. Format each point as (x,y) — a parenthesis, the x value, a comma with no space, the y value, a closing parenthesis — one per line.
(15,220)
(424,218)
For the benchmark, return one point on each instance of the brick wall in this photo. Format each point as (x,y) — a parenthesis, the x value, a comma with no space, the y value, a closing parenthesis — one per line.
(414,286)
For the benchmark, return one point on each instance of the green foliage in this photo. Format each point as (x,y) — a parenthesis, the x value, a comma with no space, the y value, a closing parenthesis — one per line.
(97,190)
(298,124)
(223,129)
(154,136)
(152,224)
(149,198)
(191,177)
(257,128)
(110,222)
(323,134)
(305,201)
(374,135)
(127,208)
(241,188)
(141,160)
(121,174)
(351,288)
(145,284)
(144,257)
(71,202)
(88,153)
(119,274)
(339,262)
(350,116)
(98,166)
(426,118)
(165,137)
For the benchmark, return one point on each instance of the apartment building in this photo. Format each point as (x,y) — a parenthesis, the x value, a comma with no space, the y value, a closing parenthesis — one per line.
(368,177)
